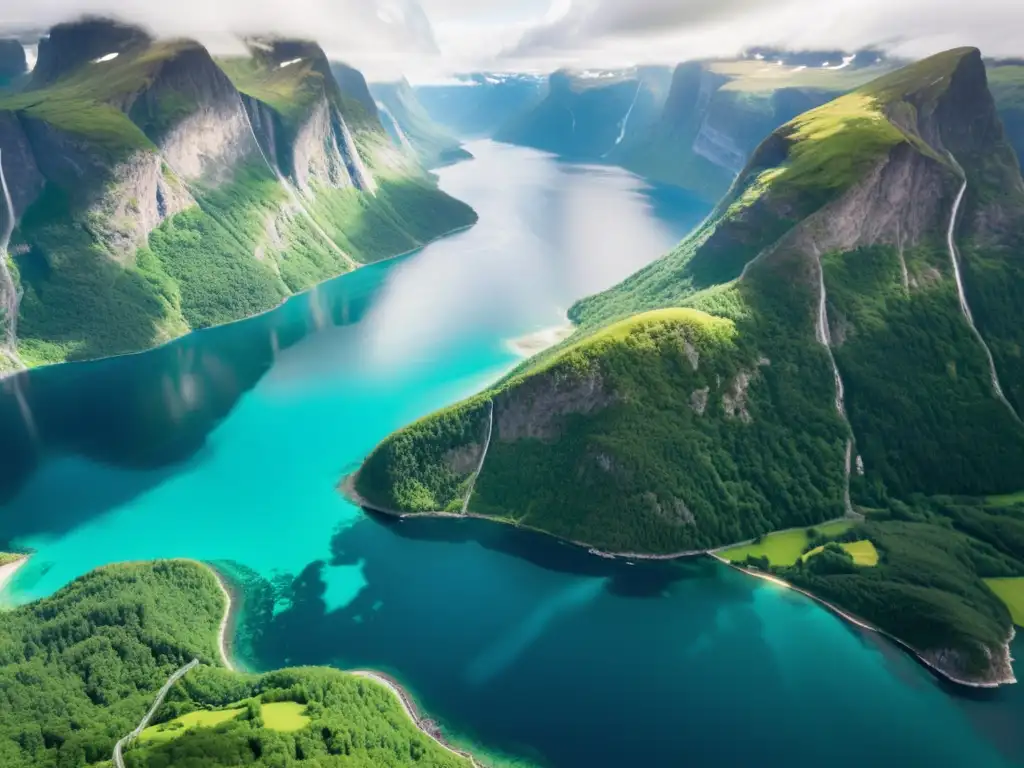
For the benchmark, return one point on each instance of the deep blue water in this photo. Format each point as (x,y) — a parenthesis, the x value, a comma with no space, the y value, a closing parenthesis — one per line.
(227,446)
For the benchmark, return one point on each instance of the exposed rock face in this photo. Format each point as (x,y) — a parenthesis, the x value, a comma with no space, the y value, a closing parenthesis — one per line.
(464,459)
(24,179)
(675,512)
(537,408)
(734,399)
(70,45)
(12,60)
(998,670)
(139,196)
(213,135)
(699,400)
(318,146)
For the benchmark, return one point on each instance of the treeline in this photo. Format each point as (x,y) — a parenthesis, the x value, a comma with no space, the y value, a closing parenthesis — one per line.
(354,722)
(79,670)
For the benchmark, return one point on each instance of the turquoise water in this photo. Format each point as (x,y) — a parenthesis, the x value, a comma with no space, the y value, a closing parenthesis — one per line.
(227,446)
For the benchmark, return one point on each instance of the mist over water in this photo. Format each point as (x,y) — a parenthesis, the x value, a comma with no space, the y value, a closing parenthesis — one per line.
(227,446)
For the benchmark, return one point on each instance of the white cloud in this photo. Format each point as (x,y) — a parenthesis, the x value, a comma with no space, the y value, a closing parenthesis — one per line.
(424,37)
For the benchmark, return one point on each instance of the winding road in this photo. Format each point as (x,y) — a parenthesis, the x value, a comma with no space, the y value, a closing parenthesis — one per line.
(161,694)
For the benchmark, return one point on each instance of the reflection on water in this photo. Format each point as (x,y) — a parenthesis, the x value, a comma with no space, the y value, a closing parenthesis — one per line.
(227,446)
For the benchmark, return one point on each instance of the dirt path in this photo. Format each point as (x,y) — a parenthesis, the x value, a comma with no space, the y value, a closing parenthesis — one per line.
(161,694)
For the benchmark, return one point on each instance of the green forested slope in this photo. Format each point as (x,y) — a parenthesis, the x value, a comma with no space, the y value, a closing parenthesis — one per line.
(650,433)
(79,670)
(161,191)
(352,722)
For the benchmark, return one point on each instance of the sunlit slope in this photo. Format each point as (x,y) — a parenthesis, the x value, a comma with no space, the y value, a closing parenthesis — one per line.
(155,191)
(859,186)
(413,129)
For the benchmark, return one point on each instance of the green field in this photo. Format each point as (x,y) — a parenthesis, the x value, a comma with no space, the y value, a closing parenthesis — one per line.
(176,727)
(1011,592)
(784,547)
(1006,500)
(6,558)
(285,716)
(862,552)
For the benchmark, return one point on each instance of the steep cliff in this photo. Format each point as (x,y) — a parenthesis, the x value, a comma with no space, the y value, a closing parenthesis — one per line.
(713,119)
(588,115)
(155,190)
(1007,82)
(412,129)
(839,332)
(480,104)
(12,61)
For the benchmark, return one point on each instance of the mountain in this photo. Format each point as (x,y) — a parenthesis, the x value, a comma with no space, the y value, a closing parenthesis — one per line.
(843,330)
(411,128)
(1007,82)
(154,190)
(694,127)
(587,115)
(13,63)
(477,105)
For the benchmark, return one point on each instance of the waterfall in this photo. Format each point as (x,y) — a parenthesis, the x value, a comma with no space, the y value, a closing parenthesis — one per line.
(403,140)
(625,120)
(483,455)
(964,306)
(825,338)
(9,298)
(292,194)
(362,177)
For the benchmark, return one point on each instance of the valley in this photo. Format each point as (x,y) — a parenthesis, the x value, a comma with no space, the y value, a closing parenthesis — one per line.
(389,423)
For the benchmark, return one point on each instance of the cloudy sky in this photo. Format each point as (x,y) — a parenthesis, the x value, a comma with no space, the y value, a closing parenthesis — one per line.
(430,38)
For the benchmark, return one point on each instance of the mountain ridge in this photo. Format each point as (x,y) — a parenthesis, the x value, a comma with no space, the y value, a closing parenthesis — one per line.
(130,171)
(835,262)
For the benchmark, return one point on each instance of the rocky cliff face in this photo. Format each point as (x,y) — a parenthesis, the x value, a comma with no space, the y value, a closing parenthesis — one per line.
(12,60)
(154,188)
(706,132)
(69,46)
(194,115)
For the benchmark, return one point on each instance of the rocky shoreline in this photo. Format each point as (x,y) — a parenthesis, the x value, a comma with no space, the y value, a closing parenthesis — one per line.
(938,662)
(426,725)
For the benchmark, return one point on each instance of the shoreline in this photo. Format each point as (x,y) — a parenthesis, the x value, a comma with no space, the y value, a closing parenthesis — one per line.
(866,625)
(229,617)
(8,571)
(412,712)
(347,488)
(530,344)
(5,375)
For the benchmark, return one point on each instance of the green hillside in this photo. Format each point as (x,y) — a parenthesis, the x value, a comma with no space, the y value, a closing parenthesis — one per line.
(697,406)
(409,123)
(159,191)
(79,670)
